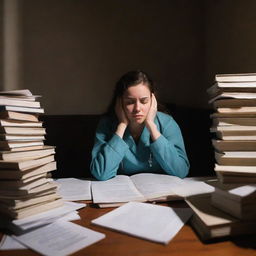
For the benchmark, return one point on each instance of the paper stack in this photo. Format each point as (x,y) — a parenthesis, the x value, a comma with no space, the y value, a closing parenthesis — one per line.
(25,187)
(230,209)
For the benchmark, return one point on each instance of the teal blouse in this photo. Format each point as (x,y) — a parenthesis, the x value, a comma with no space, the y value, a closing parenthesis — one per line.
(112,155)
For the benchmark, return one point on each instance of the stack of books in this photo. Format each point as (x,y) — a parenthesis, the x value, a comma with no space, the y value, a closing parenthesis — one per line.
(234,125)
(230,209)
(25,162)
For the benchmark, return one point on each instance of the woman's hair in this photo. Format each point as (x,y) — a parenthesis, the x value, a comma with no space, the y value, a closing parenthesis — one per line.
(129,79)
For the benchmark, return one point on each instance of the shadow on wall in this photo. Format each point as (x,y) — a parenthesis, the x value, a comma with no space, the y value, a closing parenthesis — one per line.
(73,136)
(195,127)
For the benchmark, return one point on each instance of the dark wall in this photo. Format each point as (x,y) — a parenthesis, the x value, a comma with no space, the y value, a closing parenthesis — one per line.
(1,45)
(230,37)
(74,51)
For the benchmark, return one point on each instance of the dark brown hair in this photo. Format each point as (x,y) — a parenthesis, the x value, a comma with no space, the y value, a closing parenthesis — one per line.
(131,78)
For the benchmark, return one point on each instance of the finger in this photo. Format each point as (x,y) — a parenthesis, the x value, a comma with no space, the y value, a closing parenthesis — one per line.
(154,102)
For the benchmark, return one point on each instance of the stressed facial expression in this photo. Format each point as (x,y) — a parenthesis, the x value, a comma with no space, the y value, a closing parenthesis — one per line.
(136,103)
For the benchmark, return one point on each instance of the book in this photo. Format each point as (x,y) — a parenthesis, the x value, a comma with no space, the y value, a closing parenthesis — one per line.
(235,174)
(143,220)
(18,123)
(141,187)
(44,187)
(31,210)
(233,95)
(22,92)
(218,88)
(234,103)
(19,149)
(235,199)
(247,109)
(18,116)
(242,77)
(22,130)
(26,184)
(15,204)
(209,222)
(26,164)
(19,103)
(19,97)
(244,158)
(22,137)
(226,178)
(242,193)
(235,136)
(9,155)
(22,109)
(236,170)
(22,175)
(226,121)
(222,132)
(234,128)
(12,144)
(234,145)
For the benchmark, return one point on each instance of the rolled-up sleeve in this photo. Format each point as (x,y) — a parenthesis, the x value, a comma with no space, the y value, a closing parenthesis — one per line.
(108,152)
(169,150)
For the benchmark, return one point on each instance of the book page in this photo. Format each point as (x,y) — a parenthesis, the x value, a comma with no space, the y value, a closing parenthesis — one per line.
(9,243)
(72,189)
(244,191)
(59,238)
(193,186)
(156,185)
(115,190)
(148,221)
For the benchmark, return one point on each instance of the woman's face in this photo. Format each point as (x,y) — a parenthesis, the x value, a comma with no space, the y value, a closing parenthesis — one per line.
(136,103)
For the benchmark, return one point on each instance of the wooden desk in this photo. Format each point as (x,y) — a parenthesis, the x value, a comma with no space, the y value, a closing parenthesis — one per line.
(185,243)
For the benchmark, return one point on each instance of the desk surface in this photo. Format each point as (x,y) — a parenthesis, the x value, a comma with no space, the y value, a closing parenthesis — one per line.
(184,243)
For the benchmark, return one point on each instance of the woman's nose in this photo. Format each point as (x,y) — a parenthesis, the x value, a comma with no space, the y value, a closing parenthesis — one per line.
(137,107)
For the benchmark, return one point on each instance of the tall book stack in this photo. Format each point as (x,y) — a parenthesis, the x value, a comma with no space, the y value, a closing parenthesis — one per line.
(231,208)
(25,162)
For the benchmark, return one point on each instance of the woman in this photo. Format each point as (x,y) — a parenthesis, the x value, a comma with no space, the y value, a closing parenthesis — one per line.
(134,137)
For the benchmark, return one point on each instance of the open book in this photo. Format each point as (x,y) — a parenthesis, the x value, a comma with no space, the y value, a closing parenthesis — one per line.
(144,187)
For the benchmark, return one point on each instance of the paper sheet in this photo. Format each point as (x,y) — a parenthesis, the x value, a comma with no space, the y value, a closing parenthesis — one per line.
(8,243)
(59,238)
(115,190)
(155,185)
(153,222)
(46,217)
(192,187)
(72,189)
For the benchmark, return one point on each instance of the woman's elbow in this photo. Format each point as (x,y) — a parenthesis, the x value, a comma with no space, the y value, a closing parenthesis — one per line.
(180,170)
(183,170)
(100,174)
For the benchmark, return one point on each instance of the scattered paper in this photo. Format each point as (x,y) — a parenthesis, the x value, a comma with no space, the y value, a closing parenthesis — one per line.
(153,222)
(9,243)
(45,217)
(59,238)
(192,187)
(72,189)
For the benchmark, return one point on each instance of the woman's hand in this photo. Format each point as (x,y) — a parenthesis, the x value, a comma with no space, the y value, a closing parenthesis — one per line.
(122,118)
(152,111)
(120,112)
(149,122)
